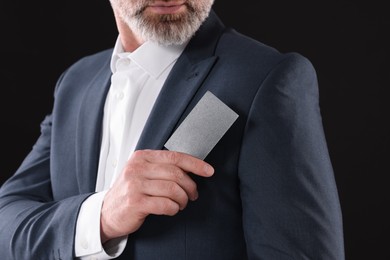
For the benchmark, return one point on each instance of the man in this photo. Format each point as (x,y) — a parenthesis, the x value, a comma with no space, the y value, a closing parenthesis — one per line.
(99,183)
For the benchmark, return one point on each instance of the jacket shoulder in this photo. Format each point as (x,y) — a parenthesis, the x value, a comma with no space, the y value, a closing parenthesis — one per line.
(87,62)
(248,55)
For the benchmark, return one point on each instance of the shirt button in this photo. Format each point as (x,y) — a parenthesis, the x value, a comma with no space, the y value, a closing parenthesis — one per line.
(120,95)
(125,61)
(84,244)
(122,63)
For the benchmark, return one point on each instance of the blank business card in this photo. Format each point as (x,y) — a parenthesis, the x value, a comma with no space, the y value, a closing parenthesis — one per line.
(203,127)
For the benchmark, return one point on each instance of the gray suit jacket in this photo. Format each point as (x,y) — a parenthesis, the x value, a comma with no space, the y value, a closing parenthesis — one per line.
(273,194)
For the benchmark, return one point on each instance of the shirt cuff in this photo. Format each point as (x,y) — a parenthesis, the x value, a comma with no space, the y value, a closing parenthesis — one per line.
(87,238)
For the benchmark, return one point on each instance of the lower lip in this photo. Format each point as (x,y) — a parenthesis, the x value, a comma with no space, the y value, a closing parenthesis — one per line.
(167,9)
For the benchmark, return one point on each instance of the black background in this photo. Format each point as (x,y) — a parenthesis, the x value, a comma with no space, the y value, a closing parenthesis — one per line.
(347,41)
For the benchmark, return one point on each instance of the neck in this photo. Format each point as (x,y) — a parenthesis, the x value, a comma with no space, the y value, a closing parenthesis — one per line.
(130,41)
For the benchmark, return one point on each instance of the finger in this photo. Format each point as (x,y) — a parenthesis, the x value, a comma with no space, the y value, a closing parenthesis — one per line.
(166,189)
(159,206)
(174,174)
(143,171)
(184,161)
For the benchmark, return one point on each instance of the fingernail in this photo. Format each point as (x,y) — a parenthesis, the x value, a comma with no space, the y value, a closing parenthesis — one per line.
(209,170)
(196,196)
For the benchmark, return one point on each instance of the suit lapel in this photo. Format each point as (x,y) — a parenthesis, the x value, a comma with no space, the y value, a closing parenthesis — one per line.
(89,130)
(172,101)
(182,84)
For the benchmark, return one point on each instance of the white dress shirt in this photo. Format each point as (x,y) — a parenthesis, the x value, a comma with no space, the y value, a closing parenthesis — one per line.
(135,84)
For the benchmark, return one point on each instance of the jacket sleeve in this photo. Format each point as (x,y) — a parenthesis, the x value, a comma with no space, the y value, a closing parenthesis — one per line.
(33,225)
(290,201)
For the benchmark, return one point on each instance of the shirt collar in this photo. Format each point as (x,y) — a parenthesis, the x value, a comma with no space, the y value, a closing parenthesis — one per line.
(152,57)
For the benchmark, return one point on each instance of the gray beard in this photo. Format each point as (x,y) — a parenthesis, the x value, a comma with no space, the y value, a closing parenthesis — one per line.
(168,29)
